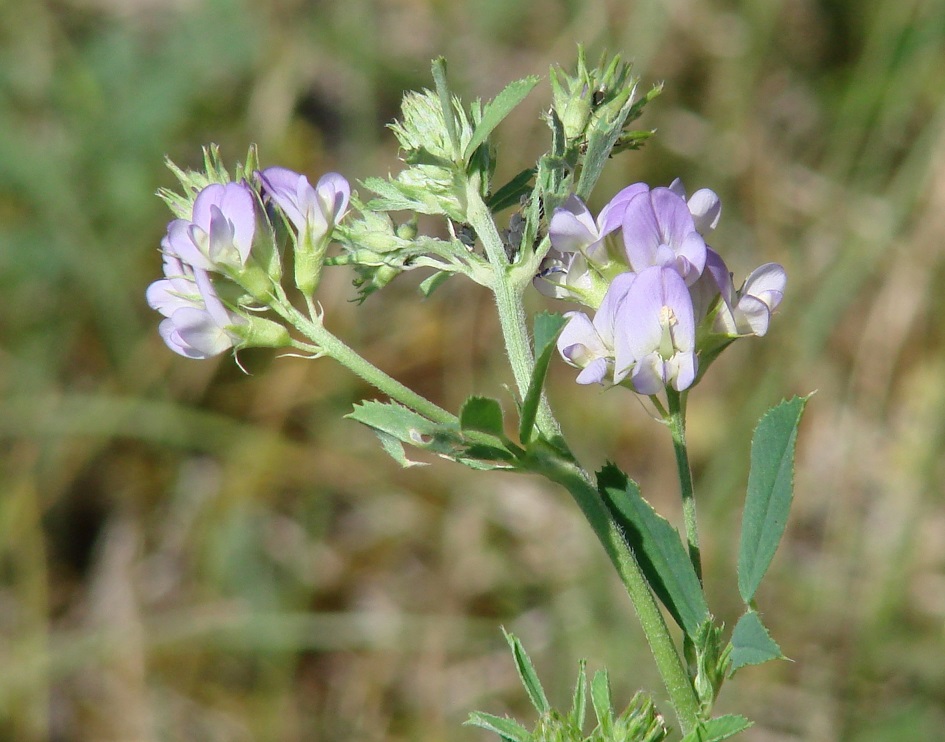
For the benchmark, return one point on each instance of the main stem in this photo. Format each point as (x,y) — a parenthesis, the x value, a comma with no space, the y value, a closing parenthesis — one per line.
(508,296)
(677,427)
(675,678)
(558,469)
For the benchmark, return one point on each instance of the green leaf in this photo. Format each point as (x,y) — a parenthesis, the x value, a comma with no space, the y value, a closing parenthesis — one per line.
(770,492)
(751,643)
(497,109)
(547,328)
(407,426)
(482,414)
(395,449)
(511,193)
(658,549)
(526,671)
(432,283)
(715,730)
(508,729)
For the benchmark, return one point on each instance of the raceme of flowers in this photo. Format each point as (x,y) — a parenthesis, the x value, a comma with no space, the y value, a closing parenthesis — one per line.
(661,294)
(211,253)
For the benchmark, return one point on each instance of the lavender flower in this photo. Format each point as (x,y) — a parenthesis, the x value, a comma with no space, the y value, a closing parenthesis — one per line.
(704,205)
(748,311)
(573,229)
(197,324)
(590,345)
(658,230)
(655,336)
(221,230)
(579,271)
(312,211)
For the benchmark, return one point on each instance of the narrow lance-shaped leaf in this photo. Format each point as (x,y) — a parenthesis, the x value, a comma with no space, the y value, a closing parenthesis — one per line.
(526,671)
(658,549)
(511,193)
(497,109)
(507,729)
(770,492)
(547,328)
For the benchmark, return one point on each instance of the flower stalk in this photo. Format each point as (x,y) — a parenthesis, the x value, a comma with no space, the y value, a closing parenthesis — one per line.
(676,419)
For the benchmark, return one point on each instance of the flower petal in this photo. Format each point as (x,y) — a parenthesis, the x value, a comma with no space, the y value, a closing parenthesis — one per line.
(706,209)
(333,192)
(611,216)
(572,228)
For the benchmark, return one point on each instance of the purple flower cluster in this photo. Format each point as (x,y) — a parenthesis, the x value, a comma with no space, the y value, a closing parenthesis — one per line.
(645,266)
(218,238)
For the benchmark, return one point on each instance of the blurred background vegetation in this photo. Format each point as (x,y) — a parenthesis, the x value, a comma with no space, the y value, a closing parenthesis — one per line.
(188,552)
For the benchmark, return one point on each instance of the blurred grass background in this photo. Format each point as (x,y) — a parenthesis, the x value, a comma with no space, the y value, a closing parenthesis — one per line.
(190,553)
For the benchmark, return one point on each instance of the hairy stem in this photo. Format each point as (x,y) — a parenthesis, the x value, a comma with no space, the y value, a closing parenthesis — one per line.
(508,287)
(675,678)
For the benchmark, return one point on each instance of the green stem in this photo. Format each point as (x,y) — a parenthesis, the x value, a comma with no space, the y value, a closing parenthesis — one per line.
(508,287)
(332,347)
(675,678)
(508,292)
(677,426)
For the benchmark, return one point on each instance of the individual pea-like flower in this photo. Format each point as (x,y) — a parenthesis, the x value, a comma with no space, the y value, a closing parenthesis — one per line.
(704,205)
(589,345)
(197,324)
(584,255)
(221,230)
(748,311)
(658,230)
(314,211)
(574,229)
(655,333)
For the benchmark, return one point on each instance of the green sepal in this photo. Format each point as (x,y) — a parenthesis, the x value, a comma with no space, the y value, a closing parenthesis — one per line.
(526,671)
(508,729)
(547,328)
(427,195)
(603,706)
(658,549)
(497,109)
(770,492)
(717,729)
(752,644)
(579,700)
(711,662)
(605,132)
(483,414)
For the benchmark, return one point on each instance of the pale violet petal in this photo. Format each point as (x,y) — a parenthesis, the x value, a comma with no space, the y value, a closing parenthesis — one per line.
(594,372)
(706,210)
